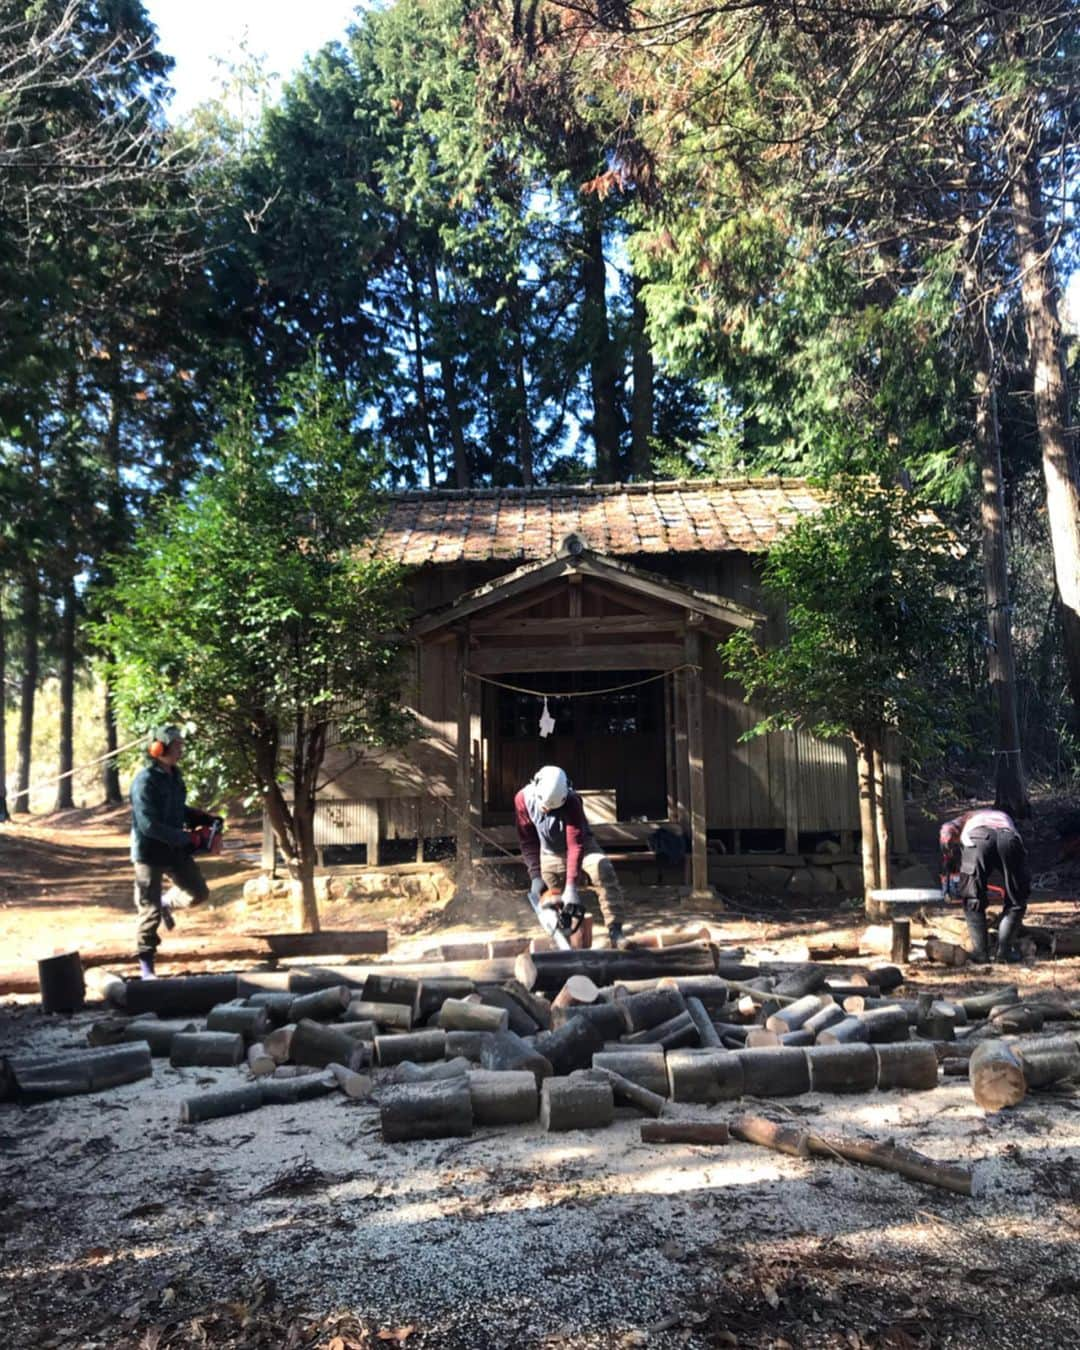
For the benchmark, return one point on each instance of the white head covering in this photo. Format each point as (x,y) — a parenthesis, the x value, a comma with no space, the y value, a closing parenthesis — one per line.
(552,786)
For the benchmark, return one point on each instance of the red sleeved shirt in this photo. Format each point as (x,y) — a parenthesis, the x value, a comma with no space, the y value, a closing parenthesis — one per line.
(564,832)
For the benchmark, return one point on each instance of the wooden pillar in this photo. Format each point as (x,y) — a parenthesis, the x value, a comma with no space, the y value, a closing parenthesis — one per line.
(791,792)
(682,768)
(669,749)
(269,849)
(464,786)
(895,793)
(695,735)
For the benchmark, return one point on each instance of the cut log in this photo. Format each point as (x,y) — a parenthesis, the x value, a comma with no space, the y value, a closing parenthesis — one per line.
(420,1046)
(495,996)
(426,1110)
(731,1030)
(73,1073)
(708,1036)
(885,978)
(666,937)
(303,1088)
(206,1049)
(507,947)
(158,1035)
(658,1034)
(704,1075)
(652,1007)
(327,942)
(387,1016)
(319,1044)
(756,1037)
(180,995)
(61,982)
(408,1072)
(467,1044)
(839,949)
(842,1033)
(684,1132)
(549,971)
(828,1016)
(954,1068)
(1050,1064)
(938,1023)
(1017,1019)
(607,1018)
(780,1072)
(945,953)
(251,1023)
(432,993)
(276,1002)
(460,1015)
(107,986)
(710,990)
(798,983)
(233,1101)
(647,1068)
(768,1134)
(796,1015)
(570,1046)
(505,1052)
(260,1064)
(979,1005)
(503,1098)
(359,1031)
(324,1005)
(901,941)
(356,1086)
(843,1068)
(1067,943)
(908,1065)
(278,1043)
(538,1008)
(626,1092)
(996,1073)
(904,1162)
(577,989)
(109,1031)
(575,1104)
(390,989)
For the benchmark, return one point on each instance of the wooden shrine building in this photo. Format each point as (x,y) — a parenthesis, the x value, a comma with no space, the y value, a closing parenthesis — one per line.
(601,609)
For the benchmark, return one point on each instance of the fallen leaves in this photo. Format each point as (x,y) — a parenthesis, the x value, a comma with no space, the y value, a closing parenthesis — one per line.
(398,1334)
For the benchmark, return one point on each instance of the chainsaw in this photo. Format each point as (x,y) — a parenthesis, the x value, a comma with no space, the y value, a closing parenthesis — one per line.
(207,838)
(560,922)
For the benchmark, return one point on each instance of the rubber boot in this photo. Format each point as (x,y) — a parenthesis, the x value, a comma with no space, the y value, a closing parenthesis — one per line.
(978,953)
(146,965)
(1008,928)
(614,933)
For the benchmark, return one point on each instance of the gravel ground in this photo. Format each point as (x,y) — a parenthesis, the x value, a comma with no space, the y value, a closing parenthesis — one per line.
(297,1226)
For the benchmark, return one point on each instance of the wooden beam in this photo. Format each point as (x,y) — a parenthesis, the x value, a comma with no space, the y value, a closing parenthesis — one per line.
(594,623)
(671,593)
(608,656)
(463,794)
(695,731)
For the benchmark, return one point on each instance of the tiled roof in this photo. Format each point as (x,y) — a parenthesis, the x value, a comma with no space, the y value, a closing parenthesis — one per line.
(522,524)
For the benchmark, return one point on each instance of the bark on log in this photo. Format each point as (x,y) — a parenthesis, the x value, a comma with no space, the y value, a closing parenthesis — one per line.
(577,989)
(625,1091)
(796,1015)
(731,1030)
(467,1044)
(570,1046)
(678,1026)
(180,995)
(460,1015)
(503,1098)
(782,1072)
(538,1008)
(319,1044)
(908,1065)
(828,1016)
(432,993)
(575,1104)
(495,996)
(904,1162)
(708,1036)
(276,1002)
(303,1088)
(768,1134)
(797,984)
(1043,1066)
(549,971)
(206,1049)
(704,1075)
(945,953)
(666,937)
(647,1069)
(324,1005)
(260,1064)
(505,1052)
(684,1132)
(607,1018)
(157,1034)
(843,1068)
(251,1023)
(359,1031)
(390,989)
(39,1077)
(652,1007)
(885,978)
(109,1031)
(420,1046)
(842,1033)
(1016,1020)
(61,982)
(408,1072)
(996,1073)
(901,941)
(387,1016)
(711,990)
(233,1101)
(758,1037)
(938,1023)
(426,1110)
(356,1086)
(979,1005)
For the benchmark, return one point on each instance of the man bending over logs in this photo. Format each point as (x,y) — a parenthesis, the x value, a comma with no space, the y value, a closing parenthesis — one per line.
(973,846)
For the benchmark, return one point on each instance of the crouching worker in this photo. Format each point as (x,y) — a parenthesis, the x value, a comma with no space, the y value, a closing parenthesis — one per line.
(974,846)
(558,848)
(165,832)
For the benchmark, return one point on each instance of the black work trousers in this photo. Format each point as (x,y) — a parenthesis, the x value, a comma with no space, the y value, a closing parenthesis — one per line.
(989,851)
(185,875)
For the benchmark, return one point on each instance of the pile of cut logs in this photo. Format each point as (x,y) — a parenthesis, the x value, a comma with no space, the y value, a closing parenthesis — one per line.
(559,1036)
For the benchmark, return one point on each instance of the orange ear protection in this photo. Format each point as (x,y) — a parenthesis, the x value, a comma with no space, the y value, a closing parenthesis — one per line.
(157,749)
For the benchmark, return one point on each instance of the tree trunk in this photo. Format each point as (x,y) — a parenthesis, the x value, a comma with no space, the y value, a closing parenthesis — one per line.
(3,712)
(449,383)
(881,819)
(420,379)
(522,419)
(30,621)
(65,799)
(603,358)
(867,820)
(110,774)
(1038,289)
(302,866)
(641,411)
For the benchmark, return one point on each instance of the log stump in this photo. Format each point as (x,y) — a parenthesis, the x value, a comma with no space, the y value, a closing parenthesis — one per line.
(782,1072)
(61,982)
(427,1110)
(843,1068)
(575,1104)
(704,1075)
(503,1098)
(206,1049)
(996,1073)
(908,1065)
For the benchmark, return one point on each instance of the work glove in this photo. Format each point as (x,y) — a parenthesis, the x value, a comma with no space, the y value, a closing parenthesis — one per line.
(572,906)
(537,888)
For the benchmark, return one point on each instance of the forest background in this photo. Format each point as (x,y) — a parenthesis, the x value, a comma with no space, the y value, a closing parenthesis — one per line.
(545,243)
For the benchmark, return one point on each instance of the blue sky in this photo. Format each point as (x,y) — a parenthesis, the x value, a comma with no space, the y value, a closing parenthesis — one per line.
(194,32)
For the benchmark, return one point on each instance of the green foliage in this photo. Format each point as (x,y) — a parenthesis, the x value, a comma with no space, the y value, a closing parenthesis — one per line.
(870,624)
(252,609)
